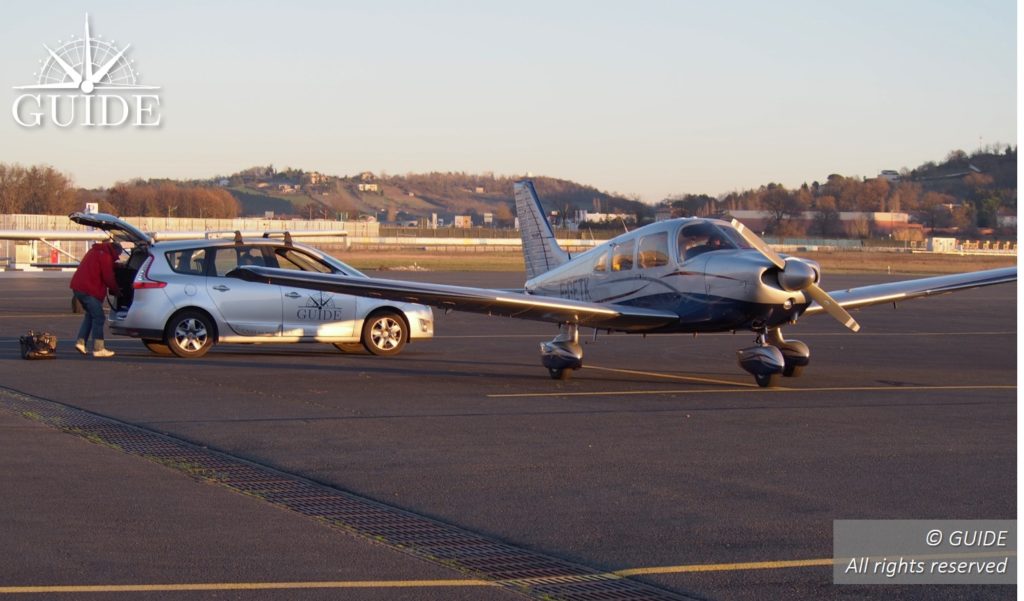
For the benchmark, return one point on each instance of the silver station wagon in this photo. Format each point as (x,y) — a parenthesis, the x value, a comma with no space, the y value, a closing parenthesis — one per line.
(176,298)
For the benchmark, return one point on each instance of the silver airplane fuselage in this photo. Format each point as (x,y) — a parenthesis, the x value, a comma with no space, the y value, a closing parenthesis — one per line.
(671,266)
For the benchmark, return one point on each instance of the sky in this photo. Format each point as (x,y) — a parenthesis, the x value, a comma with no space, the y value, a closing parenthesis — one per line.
(648,98)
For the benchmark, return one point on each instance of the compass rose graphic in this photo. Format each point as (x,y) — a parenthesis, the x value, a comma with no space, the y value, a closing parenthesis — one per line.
(87,64)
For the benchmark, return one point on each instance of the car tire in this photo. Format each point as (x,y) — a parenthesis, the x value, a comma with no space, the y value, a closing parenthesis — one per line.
(385,333)
(189,334)
(157,347)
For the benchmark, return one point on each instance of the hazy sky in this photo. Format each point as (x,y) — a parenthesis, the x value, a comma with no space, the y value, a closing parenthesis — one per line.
(649,98)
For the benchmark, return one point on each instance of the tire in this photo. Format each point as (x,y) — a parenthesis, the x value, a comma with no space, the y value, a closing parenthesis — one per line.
(793,371)
(349,347)
(769,381)
(157,347)
(189,334)
(385,333)
(559,374)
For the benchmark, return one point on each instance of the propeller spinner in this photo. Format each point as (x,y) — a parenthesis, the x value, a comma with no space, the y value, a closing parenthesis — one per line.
(794,276)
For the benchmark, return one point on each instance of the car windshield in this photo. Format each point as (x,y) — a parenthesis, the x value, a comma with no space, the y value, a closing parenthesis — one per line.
(706,236)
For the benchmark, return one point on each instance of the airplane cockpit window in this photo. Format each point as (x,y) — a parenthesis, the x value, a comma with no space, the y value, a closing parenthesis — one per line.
(601,264)
(653,250)
(698,238)
(622,256)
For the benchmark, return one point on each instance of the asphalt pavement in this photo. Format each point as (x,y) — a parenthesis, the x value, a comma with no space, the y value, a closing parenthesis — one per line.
(659,460)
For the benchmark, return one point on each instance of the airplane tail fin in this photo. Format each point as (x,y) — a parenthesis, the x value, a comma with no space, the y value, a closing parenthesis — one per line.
(541,251)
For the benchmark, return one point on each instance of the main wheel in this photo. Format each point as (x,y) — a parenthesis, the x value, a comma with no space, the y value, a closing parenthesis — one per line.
(384,333)
(769,381)
(189,334)
(559,374)
(157,346)
(349,347)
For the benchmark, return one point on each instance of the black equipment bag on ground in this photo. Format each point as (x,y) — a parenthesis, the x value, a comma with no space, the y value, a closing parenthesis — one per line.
(38,346)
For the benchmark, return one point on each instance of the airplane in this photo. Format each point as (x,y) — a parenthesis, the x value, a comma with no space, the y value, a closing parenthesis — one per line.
(690,275)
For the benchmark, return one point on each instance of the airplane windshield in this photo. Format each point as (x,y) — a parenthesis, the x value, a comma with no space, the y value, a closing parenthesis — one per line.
(704,236)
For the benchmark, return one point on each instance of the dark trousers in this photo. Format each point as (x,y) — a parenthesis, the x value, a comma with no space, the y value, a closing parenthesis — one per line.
(93,321)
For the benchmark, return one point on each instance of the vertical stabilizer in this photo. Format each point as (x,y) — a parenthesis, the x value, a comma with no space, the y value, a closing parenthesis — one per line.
(541,252)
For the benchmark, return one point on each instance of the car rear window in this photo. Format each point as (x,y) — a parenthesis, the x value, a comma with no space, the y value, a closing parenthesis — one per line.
(191,261)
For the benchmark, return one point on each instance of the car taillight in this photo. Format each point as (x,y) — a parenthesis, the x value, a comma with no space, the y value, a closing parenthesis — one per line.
(142,279)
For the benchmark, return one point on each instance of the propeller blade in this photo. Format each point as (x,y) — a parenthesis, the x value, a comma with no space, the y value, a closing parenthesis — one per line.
(759,244)
(832,307)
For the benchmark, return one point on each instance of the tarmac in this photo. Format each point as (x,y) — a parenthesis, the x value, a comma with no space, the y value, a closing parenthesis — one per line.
(660,462)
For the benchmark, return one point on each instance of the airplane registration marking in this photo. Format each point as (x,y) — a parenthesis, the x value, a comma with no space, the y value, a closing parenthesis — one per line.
(741,387)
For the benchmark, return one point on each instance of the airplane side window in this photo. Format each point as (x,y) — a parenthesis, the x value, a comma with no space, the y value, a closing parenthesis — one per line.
(622,256)
(653,250)
(601,265)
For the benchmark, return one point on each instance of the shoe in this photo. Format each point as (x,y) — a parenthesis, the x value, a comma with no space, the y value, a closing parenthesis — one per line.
(103,353)
(80,347)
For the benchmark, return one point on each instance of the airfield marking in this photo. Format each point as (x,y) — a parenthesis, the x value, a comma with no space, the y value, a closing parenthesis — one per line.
(755,389)
(368,584)
(670,376)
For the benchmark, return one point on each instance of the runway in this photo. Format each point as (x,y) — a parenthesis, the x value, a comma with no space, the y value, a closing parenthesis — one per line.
(659,462)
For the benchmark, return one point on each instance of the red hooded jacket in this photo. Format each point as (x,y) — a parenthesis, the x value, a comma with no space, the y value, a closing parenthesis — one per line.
(95,274)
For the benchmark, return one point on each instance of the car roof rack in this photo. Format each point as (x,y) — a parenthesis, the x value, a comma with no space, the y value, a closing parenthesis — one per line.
(283,233)
(209,234)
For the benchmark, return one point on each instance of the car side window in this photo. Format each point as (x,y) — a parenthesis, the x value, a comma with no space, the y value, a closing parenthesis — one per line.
(228,258)
(191,261)
(290,258)
(653,250)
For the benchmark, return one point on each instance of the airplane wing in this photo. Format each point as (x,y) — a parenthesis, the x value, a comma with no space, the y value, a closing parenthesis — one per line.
(894,292)
(472,300)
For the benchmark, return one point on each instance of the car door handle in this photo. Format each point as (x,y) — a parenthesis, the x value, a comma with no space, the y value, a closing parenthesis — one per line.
(293,295)
(221,287)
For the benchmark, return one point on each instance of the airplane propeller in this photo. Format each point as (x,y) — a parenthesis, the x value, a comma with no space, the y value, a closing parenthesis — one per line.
(797,276)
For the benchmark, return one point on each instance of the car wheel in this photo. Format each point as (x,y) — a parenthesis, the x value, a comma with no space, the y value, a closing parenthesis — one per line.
(189,334)
(157,346)
(384,333)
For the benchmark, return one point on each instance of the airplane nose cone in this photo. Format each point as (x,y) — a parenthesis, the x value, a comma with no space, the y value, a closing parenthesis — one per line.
(797,275)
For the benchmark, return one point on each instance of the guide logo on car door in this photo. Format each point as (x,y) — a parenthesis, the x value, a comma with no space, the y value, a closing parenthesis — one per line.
(319,307)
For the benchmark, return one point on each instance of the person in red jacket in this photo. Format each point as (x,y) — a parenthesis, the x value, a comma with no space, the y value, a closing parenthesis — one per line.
(92,279)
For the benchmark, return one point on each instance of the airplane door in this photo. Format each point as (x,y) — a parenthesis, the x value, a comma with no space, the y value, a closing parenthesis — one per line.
(249,308)
(311,313)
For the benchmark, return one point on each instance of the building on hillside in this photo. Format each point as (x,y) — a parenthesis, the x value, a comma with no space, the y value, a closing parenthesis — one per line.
(369,187)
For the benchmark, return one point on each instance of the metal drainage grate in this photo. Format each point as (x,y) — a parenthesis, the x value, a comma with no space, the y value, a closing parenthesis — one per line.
(516,569)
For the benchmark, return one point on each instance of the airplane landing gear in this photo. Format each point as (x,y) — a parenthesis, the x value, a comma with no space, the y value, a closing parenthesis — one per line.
(764,361)
(773,357)
(795,353)
(563,354)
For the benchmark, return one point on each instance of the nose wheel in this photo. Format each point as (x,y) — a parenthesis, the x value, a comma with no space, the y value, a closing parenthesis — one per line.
(773,357)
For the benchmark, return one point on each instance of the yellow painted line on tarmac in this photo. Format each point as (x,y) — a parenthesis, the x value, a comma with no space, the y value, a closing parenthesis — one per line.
(383,584)
(670,376)
(755,389)
(727,567)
